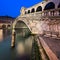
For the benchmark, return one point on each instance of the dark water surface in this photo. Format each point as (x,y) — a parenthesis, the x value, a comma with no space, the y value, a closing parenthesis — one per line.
(22,50)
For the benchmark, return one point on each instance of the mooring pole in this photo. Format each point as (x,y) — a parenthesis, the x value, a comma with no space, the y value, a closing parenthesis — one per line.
(13,38)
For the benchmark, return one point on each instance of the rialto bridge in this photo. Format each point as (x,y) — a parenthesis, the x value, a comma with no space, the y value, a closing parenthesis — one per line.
(42,18)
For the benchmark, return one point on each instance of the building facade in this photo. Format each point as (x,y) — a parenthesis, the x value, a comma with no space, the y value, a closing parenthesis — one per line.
(6,21)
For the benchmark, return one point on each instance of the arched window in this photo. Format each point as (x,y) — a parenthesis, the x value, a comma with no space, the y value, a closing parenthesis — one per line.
(59,12)
(50,5)
(39,9)
(59,5)
(33,10)
(28,11)
(25,12)
(3,26)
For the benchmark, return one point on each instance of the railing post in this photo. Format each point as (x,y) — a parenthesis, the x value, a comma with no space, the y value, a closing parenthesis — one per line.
(57,13)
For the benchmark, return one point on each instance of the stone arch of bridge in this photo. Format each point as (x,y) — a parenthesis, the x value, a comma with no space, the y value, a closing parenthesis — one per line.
(3,26)
(33,10)
(28,11)
(23,21)
(14,31)
(49,5)
(39,8)
(8,25)
(59,5)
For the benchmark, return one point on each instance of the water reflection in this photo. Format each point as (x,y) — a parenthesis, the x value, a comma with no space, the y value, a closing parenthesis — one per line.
(23,46)
(23,43)
(4,33)
(28,44)
(1,35)
(20,48)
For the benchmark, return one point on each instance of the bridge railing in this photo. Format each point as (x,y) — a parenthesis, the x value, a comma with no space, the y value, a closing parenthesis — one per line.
(46,13)
(51,33)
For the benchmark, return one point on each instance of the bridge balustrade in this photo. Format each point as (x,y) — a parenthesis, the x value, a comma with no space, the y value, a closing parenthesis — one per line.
(47,13)
(51,33)
(48,33)
(55,34)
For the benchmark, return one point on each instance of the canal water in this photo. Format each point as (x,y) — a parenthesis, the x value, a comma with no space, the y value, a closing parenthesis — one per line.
(23,45)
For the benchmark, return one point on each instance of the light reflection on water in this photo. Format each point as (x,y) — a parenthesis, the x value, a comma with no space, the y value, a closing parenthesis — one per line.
(21,51)
(20,48)
(1,35)
(23,42)
(24,46)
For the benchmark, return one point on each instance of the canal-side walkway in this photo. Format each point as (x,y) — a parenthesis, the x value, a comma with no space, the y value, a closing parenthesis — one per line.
(51,46)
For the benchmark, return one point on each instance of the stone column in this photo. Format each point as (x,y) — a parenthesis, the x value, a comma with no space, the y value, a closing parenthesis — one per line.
(13,38)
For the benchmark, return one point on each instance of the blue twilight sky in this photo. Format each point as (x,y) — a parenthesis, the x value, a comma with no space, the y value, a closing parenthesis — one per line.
(12,7)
